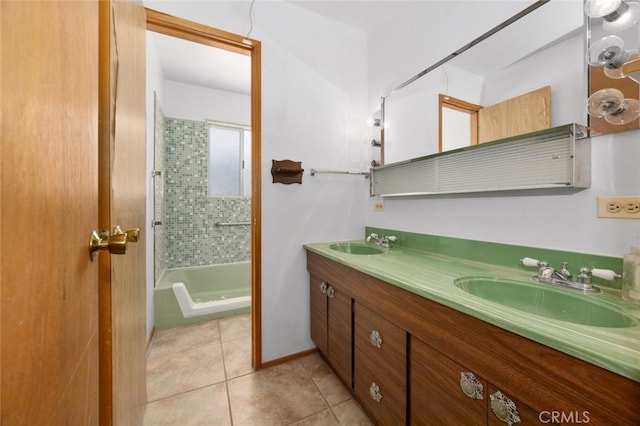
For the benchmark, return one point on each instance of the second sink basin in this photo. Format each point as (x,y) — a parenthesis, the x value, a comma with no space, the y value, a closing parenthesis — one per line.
(356,248)
(546,301)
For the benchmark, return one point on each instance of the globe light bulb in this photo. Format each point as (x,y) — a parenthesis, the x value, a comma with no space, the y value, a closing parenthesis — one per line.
(617,15)
(611,105)
(601,8)
(624,20)
(605,102)
(629,111)
(607,52)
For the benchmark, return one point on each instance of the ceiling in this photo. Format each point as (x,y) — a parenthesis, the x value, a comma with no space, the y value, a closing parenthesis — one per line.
(210,67)
(196,64)
(201,65)
(361,14)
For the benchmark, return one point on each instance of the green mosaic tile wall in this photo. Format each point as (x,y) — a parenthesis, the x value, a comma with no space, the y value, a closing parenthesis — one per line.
(192,239)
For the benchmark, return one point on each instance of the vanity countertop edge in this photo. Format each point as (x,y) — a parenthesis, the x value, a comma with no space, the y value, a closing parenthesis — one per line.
(431,275)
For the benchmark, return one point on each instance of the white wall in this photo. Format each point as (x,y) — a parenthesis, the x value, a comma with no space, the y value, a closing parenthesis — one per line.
(314,110)
(197,103)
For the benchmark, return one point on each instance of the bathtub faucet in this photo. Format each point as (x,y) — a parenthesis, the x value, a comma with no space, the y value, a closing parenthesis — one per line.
(384,241)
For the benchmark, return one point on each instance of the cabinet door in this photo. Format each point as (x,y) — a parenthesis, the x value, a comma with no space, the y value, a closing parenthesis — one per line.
(443,392)
(504,409)
(339,325)
(318,300)
(380,366)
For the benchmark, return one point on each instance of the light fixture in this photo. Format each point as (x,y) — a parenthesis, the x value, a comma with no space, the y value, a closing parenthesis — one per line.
(617,15)
(608,52)
(611,105)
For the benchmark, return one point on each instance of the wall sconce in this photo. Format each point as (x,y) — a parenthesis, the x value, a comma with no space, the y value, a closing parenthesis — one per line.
(617,15)
(609,53)
(611,105)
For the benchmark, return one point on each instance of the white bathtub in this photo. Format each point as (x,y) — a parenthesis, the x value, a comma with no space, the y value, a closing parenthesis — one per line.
(189,295)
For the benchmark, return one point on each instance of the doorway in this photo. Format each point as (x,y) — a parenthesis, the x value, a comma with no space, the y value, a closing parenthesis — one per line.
(229,44)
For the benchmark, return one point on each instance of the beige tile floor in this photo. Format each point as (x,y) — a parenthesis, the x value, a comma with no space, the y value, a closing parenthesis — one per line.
(201,374)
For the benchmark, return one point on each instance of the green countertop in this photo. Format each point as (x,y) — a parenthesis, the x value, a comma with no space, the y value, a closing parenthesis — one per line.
(431,275)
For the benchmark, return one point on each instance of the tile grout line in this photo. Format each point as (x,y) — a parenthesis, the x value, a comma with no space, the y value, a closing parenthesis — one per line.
(315,383)
(226,378)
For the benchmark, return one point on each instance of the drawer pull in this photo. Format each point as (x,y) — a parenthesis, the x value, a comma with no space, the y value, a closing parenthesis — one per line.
(374,392)
(470,385)
(504,408)
(330,292)
(323,287)
(375,339)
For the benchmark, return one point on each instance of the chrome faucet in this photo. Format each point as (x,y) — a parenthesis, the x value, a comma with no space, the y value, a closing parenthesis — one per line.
(563,277)
(547,273)
(384,241)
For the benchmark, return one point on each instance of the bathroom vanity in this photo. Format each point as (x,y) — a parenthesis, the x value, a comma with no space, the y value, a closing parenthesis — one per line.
(415,349)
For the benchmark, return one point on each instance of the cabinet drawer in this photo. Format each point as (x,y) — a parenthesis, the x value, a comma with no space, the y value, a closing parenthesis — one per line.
(380,366)
(437,395)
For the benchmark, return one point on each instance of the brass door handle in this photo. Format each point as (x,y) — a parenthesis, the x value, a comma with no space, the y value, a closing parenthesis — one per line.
(116,242)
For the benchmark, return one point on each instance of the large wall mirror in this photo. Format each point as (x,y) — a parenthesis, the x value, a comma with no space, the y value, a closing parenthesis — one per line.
(529,72)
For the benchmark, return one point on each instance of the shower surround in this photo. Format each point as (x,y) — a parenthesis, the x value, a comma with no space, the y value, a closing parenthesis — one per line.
(190,214)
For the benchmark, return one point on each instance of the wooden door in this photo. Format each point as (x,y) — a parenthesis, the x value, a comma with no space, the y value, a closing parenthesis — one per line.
(122,203)
(48,204)
(515,116)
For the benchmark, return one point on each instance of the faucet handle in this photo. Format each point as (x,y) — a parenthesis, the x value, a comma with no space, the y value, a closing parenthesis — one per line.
(565,270)
(373,235)
(392,238)
(605,274)
(528,261)
(584,277)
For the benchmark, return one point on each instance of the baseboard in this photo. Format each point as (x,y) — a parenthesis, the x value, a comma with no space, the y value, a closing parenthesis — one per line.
(288,358)
(149,342)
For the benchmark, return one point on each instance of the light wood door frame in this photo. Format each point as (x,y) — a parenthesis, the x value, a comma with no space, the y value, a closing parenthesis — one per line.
(445,101)
(121,202)
(188,30)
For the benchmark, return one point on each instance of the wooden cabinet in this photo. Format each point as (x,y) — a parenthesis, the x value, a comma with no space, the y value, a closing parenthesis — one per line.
(426,347)
(445,392)
(380,368)
(331,326)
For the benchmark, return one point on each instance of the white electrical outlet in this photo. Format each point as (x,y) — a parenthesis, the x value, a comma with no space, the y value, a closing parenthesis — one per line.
(378,205)
(619,206)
